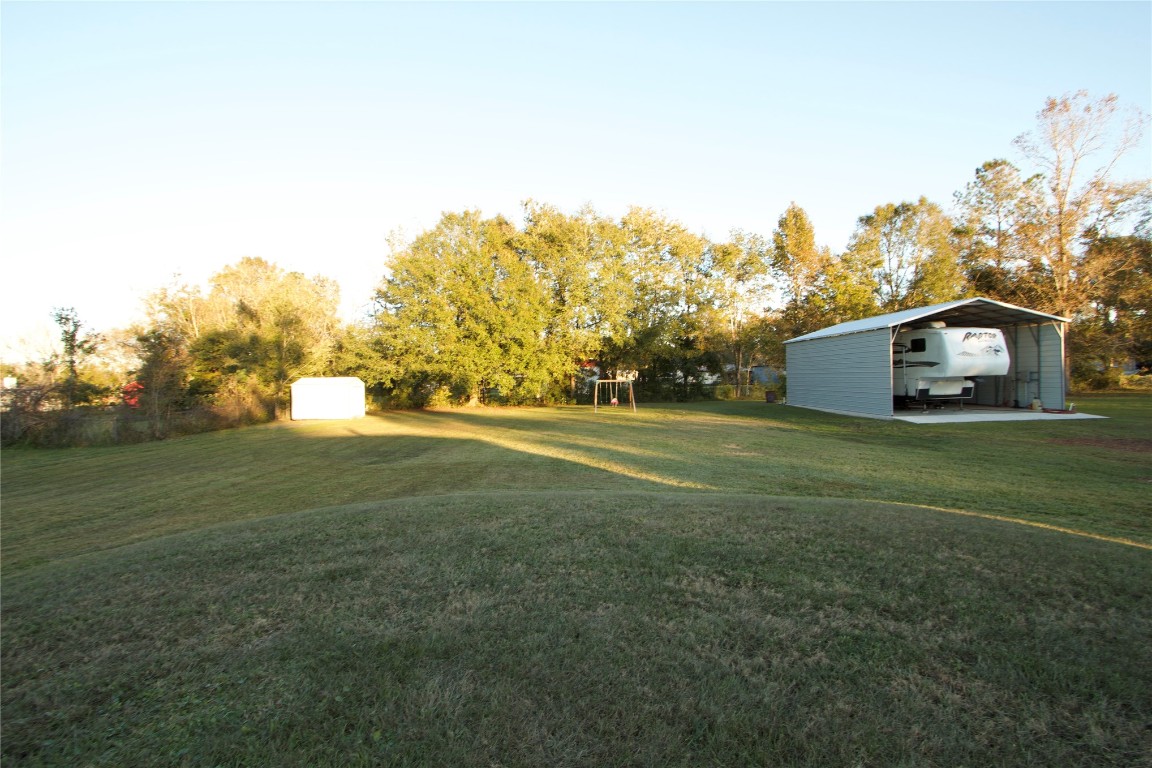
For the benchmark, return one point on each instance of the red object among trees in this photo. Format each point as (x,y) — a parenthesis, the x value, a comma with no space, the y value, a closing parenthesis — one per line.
(131,394)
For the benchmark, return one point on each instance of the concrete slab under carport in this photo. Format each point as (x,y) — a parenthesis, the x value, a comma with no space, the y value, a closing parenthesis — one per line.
(952,415)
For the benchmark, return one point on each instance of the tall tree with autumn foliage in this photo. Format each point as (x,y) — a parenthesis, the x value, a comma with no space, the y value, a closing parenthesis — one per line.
(801,269)
(258,328)
(1076,145)
(998,232)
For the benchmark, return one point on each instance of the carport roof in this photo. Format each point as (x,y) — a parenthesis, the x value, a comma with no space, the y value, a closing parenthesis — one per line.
(977,312)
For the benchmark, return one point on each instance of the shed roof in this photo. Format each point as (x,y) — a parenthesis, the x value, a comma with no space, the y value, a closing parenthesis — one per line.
(962,312)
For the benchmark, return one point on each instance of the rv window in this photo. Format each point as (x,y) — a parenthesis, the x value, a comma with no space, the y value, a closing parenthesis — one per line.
(919,345)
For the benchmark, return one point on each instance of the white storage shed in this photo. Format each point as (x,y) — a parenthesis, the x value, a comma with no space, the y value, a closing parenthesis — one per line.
(848,368)
(336,397)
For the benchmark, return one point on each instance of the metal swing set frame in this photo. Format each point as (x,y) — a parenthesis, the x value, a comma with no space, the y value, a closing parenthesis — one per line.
(613,387)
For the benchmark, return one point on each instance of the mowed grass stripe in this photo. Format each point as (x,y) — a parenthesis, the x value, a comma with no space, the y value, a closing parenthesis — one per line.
(556,587)
(510,628)
(1077,475)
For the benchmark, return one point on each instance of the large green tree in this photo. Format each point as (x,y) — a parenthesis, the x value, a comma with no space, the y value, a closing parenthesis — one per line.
(475,306)
(461,315)
(741,275)
(577,260)
(909,249)
(999,230)
(674,286)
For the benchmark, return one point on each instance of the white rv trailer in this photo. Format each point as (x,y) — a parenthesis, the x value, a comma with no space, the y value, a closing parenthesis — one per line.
(938,363)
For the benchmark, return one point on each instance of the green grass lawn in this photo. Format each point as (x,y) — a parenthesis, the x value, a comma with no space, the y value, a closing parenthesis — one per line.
(717,584)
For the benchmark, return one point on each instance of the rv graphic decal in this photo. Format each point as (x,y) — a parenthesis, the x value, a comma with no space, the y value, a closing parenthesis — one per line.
(981,336)
(990,351)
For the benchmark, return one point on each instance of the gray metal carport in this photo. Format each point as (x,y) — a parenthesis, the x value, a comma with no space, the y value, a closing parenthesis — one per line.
(847,368)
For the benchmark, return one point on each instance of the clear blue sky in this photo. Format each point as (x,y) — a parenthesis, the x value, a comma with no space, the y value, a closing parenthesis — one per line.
(142,140)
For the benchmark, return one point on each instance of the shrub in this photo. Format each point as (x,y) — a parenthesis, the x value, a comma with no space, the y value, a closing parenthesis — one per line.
(1139,381)
(441,397)
(741,391)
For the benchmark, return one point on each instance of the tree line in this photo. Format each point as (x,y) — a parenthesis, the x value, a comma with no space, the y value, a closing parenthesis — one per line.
(480,310)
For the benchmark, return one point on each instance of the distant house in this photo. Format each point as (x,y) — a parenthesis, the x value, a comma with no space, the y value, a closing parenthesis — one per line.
(337,397)
(765,375)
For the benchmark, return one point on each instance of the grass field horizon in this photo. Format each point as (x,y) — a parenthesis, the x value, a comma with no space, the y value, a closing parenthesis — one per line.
(723,583)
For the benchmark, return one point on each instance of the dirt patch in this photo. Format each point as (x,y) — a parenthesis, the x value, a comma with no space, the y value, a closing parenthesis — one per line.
(1134,444)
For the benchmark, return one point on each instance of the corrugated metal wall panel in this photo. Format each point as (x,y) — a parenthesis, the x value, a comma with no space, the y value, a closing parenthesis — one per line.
(1037,365)
(1052,383)
(1020,347)
(846,374)
(992,390)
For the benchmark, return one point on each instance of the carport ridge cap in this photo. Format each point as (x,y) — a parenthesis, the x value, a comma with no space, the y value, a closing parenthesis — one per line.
(892,319)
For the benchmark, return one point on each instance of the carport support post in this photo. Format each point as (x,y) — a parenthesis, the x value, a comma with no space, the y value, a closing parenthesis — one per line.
(1063,365)
(1039,367)
(904,364)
